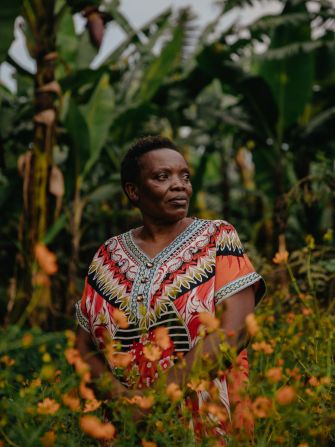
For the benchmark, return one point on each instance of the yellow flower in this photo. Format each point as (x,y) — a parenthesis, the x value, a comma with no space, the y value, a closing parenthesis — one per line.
(71,337)
(328,236)
(210,322)
(174,392)
(281,257)
(251,325)
(96,429)
(286,395)
(310,241)
(47,406)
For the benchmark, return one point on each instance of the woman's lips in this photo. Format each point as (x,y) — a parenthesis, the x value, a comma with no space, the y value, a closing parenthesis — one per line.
(179,201)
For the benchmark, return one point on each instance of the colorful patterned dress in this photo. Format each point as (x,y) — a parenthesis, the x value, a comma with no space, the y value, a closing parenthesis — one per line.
(202,267)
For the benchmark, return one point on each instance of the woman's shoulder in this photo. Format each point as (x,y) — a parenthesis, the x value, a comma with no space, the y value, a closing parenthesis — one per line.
(219,224)
(110,244)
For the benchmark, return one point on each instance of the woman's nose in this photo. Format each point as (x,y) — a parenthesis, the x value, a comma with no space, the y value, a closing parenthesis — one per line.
(178,183)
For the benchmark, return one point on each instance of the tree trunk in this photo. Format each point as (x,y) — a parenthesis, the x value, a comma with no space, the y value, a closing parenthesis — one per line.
(33,295)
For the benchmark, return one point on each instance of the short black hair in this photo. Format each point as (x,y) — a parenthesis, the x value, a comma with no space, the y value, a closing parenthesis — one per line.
(130,164)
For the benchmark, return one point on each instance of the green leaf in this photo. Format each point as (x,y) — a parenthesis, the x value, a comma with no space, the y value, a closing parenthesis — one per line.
(104,192)
(55,229)
(67,42)
(9,10)
(98,115)
(79,153)
(86,51)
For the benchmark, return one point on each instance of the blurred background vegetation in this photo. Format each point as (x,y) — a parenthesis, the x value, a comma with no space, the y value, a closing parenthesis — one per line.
(252,109)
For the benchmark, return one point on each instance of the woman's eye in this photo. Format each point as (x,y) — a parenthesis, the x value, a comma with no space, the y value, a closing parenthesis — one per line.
(162,176)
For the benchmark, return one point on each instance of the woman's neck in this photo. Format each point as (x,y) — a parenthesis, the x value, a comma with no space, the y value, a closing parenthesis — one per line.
(157,232)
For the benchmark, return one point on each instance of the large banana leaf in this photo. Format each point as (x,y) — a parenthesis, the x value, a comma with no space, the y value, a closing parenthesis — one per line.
(290,77)
(9,10)
(167,61)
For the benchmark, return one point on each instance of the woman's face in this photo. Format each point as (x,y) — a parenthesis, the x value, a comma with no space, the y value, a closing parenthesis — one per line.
(163,190)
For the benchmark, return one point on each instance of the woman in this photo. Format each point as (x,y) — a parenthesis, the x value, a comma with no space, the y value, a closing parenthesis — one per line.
(166,273)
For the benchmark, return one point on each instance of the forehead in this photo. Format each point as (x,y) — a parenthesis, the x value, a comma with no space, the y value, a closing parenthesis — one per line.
(162,158)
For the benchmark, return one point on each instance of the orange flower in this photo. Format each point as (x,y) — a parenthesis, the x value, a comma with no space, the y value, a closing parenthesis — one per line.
(144,402)
(210,322)
(313,381)
(96,429)
(81,367)
(46,259)
(48,439)
(48,406)
(281,257)
(174,392)
(152,352)
(262,346)
(27,340)
(325,380)
(120,318)
(148,443)
(41,279)
(251,325)
(91,405)
(303,444)
(116,358)
(285,395)
(217,410)
(262,407)
(274,374)
(86,392)
(6,360)
(121,359)
(198,385)
(71,401)
(162,337)
(71,355)
(305,311)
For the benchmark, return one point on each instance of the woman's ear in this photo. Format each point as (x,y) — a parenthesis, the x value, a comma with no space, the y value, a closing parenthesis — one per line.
(132,192)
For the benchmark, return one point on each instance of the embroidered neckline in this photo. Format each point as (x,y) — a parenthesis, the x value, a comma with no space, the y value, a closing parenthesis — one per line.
(144,258)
